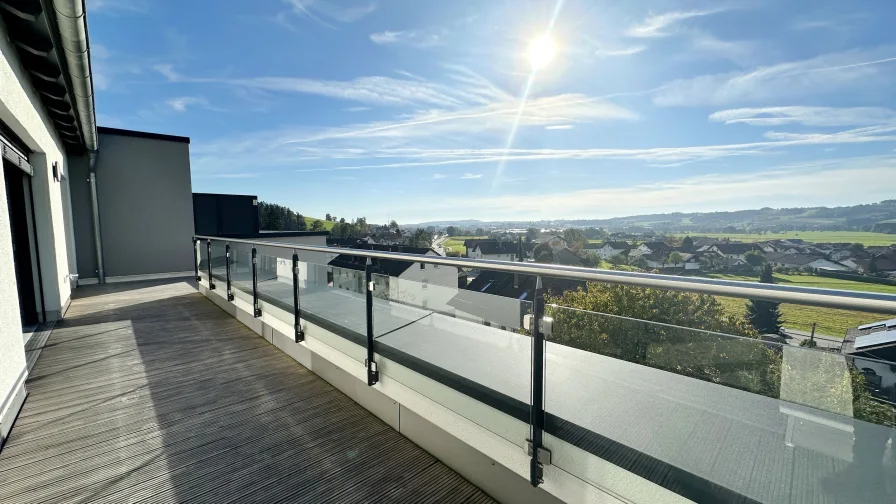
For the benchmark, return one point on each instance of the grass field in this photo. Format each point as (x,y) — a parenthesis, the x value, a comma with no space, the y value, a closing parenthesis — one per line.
(866,238)
(829,321)
(327,224)
(456,243)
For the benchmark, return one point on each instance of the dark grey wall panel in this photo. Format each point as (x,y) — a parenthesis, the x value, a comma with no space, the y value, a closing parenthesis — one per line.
(83,223)
(146,207)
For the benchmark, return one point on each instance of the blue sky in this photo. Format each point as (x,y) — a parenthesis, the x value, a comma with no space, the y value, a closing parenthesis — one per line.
(413,110)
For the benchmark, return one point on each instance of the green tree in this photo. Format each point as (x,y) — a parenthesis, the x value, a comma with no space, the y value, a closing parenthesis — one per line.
(754,258)
(687,244)
(531,234)
(420,238)
(857,247)
(451,231)
(329,217)
(317,225)
(616,260)
(543,253)
(342,220)
(638,261)
(675,258)
(480,232)
(591,260)
(574,235)
(765,316)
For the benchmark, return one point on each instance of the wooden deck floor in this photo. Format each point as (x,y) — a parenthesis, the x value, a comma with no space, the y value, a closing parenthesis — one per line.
(148,392)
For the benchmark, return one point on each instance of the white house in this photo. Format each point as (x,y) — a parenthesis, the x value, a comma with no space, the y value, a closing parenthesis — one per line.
(733,251)
(661,261)
(428,286)
(610,249)
(802,261)
(494,250)
(650,248)
(556,242)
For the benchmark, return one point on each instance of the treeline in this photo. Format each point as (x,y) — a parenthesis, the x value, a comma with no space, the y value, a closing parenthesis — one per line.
(274,217)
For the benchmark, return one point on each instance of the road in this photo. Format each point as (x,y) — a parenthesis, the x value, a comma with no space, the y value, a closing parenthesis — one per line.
(437,244)
(823,340)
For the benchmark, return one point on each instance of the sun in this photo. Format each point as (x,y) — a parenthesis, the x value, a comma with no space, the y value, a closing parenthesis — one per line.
(541,52)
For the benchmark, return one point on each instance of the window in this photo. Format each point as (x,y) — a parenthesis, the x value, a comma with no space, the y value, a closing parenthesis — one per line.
(436,266)
(425,286)
(422,266)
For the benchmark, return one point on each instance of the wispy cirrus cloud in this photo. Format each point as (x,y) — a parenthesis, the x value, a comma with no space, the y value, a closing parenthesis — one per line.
(118,7)
(413,38)
(818,75)
(469,176)
(659,25)
(182,103)
(320,11)
(806,116)
(622,51)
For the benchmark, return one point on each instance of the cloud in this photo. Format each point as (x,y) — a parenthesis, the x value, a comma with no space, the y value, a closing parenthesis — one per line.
(655,25)
(471,176)
(658,156)
(181,103)
(117,7)
(413,38)
(818,75)
(437,176)
(317,10)
(806,116)
(356,109)
(559,127)
(738,51)
(624,51)
(836,184)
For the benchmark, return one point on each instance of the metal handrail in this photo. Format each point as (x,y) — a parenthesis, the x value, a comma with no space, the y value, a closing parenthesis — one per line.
(828,298)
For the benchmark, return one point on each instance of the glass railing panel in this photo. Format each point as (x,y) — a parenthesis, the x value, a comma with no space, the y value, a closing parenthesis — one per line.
(219,265)
(467,341)
(716,413)
(241,270)
(275,287)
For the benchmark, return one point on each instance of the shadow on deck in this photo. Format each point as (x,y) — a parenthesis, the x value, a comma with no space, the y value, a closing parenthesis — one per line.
(148,391)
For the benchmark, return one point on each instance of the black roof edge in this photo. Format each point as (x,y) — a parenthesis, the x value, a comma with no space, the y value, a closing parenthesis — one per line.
(271,234)
(141,134)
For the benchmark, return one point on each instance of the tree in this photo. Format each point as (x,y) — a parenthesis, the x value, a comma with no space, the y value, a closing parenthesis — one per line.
(638,261)
(393,226)
(872,265)
(531,234)
(754,258)
(451,231)
(675,258)
(480,232)
(857,247)
(420,238)
(670,330)
(342,220)
(543,253)
(317,225)
(616,260)
(764,316)
(687,244)
(574,235)
(329,218)
(590,260)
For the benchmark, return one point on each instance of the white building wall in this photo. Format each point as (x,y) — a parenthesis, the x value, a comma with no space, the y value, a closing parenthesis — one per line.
(440,286)
(21,111)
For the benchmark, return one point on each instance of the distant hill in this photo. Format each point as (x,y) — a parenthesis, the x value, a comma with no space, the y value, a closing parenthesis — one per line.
(879,217)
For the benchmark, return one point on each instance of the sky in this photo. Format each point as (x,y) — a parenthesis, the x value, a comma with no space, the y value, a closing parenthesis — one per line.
(424,110)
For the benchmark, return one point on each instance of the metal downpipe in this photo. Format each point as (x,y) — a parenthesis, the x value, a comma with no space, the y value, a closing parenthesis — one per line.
(95,213)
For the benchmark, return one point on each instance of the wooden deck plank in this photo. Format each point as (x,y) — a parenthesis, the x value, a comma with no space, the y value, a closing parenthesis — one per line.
(149,392)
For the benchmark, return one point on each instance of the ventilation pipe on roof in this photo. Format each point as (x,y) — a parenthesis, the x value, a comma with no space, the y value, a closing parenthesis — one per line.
(71,21)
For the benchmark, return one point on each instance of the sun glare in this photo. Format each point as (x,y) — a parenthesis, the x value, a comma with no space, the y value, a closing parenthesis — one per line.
(541,52)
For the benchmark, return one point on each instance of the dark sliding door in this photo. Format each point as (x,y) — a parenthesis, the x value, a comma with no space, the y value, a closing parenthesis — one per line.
(17,199)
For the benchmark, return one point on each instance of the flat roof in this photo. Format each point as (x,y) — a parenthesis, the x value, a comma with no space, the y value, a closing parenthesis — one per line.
(105,130)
